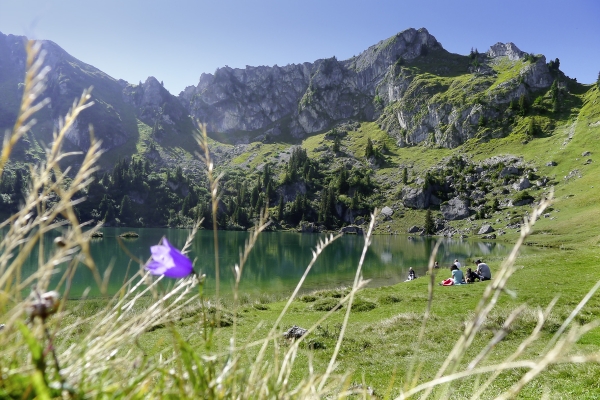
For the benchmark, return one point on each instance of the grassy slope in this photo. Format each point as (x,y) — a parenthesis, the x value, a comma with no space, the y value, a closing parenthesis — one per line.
(380,344)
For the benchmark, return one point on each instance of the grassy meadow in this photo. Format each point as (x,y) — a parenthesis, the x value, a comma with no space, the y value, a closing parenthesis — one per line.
(531,332)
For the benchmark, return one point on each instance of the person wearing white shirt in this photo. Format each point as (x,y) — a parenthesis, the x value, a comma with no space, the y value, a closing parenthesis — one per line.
(457,263)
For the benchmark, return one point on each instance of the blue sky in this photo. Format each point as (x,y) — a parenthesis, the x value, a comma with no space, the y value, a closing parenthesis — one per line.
(177,40)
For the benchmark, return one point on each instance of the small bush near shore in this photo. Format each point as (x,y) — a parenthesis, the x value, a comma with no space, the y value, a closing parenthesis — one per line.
(363,305)
(389,299)
(326,304)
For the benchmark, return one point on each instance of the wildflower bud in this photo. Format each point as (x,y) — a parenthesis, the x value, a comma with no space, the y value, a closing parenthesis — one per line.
(43,305)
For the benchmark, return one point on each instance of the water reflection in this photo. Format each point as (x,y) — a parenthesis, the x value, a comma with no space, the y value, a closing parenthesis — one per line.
(279,258)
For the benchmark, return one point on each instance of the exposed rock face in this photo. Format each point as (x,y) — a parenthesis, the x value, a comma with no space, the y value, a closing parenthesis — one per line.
(506,171)
(522,184)
(295,332)
(505,50)
(113,120)
(455,209)
(157,108)
(117,104)
(485,229)
(352,229)
(414,229)
(289,192)
(420,111)
(415,197)
(388,212)
(300,98)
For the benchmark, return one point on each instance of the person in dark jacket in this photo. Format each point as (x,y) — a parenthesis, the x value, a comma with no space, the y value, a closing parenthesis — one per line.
(411,274)
(471,276)
(483,271)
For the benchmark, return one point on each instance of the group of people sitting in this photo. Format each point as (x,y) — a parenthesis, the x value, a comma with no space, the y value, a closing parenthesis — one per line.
(482,273)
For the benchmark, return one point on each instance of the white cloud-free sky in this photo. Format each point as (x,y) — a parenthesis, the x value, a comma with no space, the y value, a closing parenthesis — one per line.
(177,40)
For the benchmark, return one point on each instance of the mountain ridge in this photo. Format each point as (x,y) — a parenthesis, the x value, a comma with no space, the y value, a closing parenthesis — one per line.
(292,101)
(405,124)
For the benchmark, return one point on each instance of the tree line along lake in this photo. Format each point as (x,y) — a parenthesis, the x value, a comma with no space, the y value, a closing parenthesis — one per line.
(276,262)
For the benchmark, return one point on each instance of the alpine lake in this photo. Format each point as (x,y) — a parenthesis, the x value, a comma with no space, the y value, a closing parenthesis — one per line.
(277,261)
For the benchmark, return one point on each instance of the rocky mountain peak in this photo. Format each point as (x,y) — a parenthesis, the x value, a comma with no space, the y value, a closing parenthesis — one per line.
(154,104)
(153,92)
(509,50)
(301,98)
(408,44)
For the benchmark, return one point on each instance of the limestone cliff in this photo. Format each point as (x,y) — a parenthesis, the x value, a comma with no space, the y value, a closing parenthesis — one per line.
(417,91)
(446,108)
(157,108)
(300,99)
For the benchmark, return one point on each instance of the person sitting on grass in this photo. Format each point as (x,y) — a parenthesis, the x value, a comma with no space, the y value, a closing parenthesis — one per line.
(471,276)
(411,274)
(483,271)
(457,277)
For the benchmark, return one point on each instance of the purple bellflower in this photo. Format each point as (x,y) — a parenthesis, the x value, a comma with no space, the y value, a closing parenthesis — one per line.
(168,261)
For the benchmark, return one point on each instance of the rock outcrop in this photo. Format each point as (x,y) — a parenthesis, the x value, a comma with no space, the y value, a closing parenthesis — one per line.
(301,98)
(417,92)
(113,119)
(485,229)
(157,108)
(415,197)
(455,209)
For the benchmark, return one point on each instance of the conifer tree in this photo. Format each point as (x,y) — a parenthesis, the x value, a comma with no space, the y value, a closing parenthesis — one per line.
(369,149)
(342,183)
(187,205)
(336,144)
(254,196)
(266,175)
(268,194)
(405,175)
(280,208)
(523,106)
(496,204)
(126,211)
(110,213)
(18,185)
(354,204)
(429,224)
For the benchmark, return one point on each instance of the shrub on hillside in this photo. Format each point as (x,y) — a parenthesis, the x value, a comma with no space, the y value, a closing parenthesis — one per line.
(522,198)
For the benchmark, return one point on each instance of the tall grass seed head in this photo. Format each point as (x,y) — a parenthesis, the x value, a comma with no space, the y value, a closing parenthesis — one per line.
(168,261)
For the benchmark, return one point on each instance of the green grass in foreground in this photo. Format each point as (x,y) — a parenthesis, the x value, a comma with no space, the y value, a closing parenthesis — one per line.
(380,345)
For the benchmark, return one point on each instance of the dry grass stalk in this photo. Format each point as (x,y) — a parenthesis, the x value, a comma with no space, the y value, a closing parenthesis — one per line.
(202,140)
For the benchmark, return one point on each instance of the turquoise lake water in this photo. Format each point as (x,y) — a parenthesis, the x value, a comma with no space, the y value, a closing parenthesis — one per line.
(279,259)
